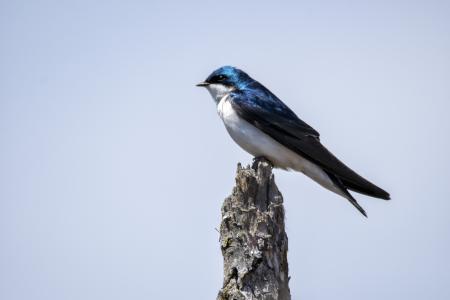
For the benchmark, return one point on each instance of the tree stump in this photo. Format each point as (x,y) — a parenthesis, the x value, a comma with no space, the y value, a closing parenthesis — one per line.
(253,239)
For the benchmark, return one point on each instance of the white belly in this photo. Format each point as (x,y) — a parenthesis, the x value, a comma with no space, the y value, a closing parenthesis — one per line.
(257,143)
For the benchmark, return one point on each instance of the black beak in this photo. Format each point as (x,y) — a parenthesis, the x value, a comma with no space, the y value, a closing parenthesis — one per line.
(204,83)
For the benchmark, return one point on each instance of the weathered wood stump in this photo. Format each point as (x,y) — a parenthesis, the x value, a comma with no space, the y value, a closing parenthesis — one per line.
(253,239)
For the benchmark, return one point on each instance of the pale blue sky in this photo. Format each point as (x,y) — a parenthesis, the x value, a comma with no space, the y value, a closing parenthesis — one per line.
(113,166)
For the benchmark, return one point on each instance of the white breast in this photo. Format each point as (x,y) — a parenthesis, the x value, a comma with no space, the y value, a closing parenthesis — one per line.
(257,143)
(254,141)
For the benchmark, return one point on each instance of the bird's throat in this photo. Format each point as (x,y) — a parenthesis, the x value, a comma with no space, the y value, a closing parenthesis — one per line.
(218,91)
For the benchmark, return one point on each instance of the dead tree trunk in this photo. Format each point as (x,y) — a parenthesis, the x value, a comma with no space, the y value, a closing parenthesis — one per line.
(252,237)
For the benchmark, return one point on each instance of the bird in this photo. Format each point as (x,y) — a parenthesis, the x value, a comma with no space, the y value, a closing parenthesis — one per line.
(264,126)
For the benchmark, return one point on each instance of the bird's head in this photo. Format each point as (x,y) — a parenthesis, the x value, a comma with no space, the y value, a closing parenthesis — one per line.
(224,80)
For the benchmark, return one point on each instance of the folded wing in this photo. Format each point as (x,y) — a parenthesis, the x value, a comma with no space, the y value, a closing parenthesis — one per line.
(269,114)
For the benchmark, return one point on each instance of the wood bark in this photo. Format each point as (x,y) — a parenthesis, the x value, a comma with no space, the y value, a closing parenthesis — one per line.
(253,240)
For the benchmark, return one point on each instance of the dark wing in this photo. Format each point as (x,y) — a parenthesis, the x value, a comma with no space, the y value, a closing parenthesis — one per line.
(260,103)
(269,114)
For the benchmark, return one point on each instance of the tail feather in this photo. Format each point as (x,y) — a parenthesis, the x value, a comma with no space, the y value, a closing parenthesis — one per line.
(337,181)
(366,188)
(355,203)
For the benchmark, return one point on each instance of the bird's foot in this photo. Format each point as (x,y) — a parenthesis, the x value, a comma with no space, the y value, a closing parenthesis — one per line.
(258,159)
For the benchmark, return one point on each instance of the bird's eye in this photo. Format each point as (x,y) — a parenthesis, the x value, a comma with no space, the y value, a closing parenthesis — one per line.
(220,77)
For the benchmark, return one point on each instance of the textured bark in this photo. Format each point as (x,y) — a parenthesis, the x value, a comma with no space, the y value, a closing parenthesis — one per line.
(253,239)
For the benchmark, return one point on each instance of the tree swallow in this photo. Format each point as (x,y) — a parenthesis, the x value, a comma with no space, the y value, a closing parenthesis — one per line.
(264,126)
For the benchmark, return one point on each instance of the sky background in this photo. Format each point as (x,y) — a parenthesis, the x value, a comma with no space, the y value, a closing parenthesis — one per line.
(114,166)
